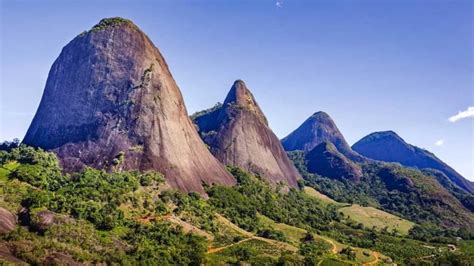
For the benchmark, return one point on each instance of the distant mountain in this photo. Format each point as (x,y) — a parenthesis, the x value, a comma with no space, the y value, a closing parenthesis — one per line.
(111,103)
(237,133)
(326,160)
(317,129)
(389,147)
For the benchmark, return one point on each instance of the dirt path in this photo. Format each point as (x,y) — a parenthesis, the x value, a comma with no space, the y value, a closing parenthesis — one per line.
(250,236)
(276,243)
(375,261)
(334,247)
(215,250)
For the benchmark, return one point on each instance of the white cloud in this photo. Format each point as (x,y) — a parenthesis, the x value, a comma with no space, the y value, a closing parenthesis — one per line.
(469,112)
(439,142)
(279,3)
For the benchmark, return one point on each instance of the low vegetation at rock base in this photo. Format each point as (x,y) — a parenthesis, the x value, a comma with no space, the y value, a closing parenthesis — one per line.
(125,217)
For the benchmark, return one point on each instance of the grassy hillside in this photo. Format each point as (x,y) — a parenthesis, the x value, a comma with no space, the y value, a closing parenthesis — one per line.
(374,218)
(131,217)
(318,195)
(408,193)
(369,217)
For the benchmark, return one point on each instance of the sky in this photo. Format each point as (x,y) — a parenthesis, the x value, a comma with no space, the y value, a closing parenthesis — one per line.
(398,65)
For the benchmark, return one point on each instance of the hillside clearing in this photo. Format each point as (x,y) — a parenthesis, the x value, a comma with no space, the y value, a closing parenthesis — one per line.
(371,217)
(316,194)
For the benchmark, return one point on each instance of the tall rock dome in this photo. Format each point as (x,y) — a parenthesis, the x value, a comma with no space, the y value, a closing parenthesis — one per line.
(238,134)
(110,102)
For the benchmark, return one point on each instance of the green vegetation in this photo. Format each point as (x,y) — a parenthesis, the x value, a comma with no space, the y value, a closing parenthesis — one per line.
(291,234)
(198,114)
(318,195)
(99,231)
(128,217)
(109,22)
(405,192)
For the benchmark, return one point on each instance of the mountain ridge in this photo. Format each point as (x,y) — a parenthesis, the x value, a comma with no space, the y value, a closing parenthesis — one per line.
(390,147)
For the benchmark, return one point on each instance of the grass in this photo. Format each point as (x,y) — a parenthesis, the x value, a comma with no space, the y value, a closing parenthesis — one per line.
(333,262)
(467,246)
(227,233)
(259,250)
(6,169)
(371,217)
(318,195)
(292,233)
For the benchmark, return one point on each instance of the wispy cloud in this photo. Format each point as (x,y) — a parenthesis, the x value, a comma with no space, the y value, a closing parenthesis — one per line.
(469,112)
(279,3)
(439,142)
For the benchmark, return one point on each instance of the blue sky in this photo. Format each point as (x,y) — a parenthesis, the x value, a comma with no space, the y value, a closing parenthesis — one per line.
(372,65)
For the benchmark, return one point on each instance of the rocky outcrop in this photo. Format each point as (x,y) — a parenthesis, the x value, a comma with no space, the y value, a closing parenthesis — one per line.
(58,258)
(238,134)
(387,146)
(7,258)
(110,102)
(326,160)
(7,221)
(317,129)
(41,219)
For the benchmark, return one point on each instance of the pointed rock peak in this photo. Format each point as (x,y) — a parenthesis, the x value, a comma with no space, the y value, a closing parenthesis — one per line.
(240,96)
(238,134)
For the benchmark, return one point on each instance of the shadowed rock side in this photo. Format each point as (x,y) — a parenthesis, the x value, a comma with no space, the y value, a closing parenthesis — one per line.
(238,134)
(110,102)
(317,129)
(389,147)
(7,221)
(326,160)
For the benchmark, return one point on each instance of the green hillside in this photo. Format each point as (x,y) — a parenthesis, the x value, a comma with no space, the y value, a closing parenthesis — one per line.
(374,218)
(369,217)
(126,217)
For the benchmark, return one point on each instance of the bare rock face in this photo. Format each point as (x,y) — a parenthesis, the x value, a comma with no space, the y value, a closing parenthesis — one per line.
(7,258)
(58,258)
(317,129)
(326,160)
(41,219)
(7,221)
(110,102)
(238,134)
